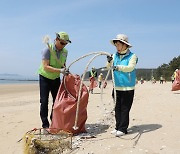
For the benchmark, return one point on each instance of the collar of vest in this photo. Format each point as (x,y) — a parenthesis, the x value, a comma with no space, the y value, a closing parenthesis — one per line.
(125,54)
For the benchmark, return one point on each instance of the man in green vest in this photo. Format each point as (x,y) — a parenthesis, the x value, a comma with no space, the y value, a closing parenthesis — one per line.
(53,63)
(92,78)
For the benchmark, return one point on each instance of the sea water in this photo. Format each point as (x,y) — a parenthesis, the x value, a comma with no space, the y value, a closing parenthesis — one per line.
(17,79)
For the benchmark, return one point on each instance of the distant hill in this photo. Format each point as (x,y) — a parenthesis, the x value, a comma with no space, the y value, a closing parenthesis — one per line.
(146,73)
(99,70)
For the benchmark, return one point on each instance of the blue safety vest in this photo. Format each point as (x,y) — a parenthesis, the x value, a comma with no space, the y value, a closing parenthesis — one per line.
(124,79)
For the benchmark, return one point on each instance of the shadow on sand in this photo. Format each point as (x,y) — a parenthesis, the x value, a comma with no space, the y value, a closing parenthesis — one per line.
(176,93)
(140,129)
(143,128)
(95,129)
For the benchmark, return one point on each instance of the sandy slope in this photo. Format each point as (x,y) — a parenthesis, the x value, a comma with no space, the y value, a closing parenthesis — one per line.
(154,120)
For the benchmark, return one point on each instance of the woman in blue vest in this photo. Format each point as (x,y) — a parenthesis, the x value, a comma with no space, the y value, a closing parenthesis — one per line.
(123,62)
(53,63)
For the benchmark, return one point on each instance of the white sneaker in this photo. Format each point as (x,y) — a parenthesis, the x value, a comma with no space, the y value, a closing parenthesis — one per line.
(119,133)
(114,132)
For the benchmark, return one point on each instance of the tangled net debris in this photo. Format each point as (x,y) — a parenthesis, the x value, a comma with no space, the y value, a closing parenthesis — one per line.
(42,141)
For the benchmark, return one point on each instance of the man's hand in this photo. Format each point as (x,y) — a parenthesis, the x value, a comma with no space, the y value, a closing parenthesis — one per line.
(63,70)
(109,58)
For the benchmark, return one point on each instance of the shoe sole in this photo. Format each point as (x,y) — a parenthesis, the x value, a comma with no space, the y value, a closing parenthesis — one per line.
(119,135)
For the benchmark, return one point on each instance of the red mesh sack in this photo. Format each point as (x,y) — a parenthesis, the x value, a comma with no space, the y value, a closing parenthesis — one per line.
(64,110)
(176,83)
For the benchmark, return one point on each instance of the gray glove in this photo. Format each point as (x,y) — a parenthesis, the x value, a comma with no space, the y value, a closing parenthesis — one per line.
(63,70)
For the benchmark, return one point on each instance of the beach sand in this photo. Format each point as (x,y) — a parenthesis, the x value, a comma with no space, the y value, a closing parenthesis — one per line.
(154,120)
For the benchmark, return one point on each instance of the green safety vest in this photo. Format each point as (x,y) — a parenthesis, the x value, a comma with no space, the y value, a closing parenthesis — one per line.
(54,62)
(93,74)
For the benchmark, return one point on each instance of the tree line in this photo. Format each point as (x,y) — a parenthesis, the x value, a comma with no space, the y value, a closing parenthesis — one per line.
(165,70)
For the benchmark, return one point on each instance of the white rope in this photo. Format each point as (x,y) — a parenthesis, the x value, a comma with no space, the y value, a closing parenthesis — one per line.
(89,54)
(75,127)
(112,72)
(102,87)
(114,100)
(79,94)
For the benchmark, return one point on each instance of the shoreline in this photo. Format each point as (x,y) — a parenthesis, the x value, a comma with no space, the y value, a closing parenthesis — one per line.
(15,81)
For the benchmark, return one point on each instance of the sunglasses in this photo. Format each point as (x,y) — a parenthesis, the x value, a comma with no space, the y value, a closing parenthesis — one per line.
(62,43)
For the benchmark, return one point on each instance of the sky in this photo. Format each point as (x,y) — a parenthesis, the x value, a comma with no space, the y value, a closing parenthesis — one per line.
(152,26)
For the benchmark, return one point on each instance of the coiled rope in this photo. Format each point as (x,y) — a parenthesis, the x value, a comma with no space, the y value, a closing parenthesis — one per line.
(96,54)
